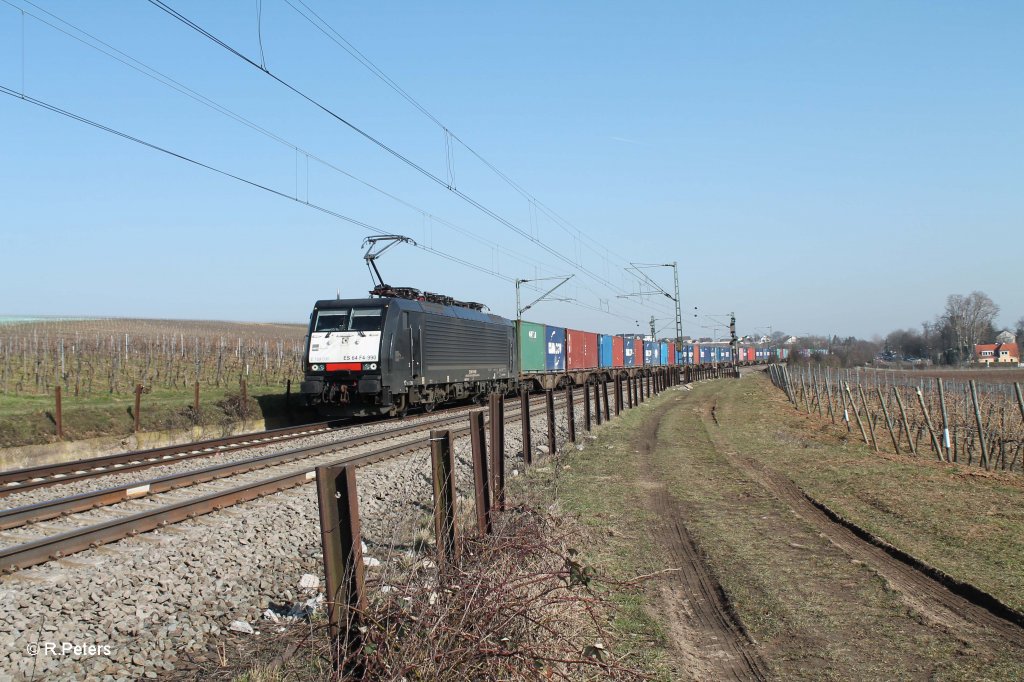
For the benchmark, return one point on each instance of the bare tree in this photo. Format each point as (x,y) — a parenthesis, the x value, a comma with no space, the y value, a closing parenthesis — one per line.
(970,319)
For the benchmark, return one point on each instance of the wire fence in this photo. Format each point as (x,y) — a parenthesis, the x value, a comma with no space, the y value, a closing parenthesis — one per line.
(965,422)
(428,566)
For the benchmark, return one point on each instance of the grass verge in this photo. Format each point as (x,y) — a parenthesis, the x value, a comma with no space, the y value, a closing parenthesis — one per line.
(30,420)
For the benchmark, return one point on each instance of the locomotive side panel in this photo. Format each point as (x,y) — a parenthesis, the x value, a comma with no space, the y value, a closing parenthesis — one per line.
(465,350)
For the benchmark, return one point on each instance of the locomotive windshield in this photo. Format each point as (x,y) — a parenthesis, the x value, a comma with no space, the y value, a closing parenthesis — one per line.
(349,320)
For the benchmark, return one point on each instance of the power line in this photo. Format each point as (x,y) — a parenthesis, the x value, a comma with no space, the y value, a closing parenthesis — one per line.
(323,209)
(252,183)
(380,144)
(160,77)
(332,34)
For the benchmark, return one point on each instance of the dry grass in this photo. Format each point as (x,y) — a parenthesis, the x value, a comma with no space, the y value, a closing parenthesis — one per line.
(521,604)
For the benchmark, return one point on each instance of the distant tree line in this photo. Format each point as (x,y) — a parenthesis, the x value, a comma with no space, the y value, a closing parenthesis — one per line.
(949,339)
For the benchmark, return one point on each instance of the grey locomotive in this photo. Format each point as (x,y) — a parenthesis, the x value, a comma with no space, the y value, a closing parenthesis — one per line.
(382,356)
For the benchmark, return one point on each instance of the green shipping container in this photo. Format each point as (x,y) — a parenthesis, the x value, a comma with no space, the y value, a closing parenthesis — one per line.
(531,347)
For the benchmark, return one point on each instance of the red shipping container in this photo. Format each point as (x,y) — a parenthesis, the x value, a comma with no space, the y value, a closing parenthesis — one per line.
(638,349)
(671,353)
(750,354)
(618,353)
(696,353)
(580,349)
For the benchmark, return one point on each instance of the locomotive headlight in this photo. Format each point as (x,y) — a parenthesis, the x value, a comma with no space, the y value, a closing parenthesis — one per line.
(317,368)
(369,366)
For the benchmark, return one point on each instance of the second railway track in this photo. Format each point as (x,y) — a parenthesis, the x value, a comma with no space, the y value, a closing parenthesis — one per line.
(26,548)
(18,480)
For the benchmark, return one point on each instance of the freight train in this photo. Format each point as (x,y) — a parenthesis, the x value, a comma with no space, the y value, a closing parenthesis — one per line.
(386,354)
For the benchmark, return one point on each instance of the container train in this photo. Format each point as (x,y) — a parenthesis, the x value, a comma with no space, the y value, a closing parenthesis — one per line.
(384,355)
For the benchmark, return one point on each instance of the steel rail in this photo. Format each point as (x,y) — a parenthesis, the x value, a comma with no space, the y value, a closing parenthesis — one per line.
(49,509)
(80,539)
(16,480)
(76,540)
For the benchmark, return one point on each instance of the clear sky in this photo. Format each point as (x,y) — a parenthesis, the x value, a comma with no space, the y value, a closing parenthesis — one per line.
(814,167)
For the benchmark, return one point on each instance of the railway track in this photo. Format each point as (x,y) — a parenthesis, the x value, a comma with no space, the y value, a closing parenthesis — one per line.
(18,480)
(152,504)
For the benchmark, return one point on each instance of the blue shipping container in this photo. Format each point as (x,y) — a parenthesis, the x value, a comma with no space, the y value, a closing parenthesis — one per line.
(555,351)
(652,353)
(628,356)
(663,355)
(604,351)
(686,352)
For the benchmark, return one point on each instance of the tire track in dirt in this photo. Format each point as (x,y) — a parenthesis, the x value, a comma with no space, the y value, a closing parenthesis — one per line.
(704,627)
(923,593)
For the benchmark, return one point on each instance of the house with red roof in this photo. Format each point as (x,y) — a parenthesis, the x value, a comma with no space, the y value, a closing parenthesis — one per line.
(988,353)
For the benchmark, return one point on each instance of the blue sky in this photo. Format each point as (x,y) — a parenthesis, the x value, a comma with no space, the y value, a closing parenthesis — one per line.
(816,167)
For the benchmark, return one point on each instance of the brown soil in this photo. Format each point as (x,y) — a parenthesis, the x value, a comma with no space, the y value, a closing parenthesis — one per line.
(919,591)
(702,626)
(705,631)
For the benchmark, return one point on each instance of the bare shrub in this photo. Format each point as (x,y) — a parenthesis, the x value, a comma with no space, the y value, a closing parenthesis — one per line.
(519,605)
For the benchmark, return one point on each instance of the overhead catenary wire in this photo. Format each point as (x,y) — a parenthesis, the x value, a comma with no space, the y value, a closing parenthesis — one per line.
(259,32)
(252,183)
(150,72)
(322,25)
(160,77)
(220,171)
(382,145)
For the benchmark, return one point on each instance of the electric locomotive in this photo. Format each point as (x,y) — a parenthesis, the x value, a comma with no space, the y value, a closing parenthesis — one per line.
(401,349)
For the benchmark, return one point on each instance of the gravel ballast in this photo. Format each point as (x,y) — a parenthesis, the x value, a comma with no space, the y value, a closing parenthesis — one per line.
(146,601)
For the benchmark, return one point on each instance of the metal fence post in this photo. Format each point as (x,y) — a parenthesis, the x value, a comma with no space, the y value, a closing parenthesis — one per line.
(343,562)
(481,482)
(59,414)
(903,416)
(629,391)
(552,445)
(604,396)
(945,419)
(617,384)
(981,431)
(442,469)
(524,410)
(570,414)
(597,403)
(138,404)
(497,417)
(245,399)
(1020,398)
(195,398)
(586,408)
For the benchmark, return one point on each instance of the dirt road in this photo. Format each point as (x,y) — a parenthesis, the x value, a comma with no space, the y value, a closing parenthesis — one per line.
(761,582)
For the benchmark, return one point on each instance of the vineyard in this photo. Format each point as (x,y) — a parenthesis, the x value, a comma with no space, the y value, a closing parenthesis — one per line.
(112,356)
(98,365)
(967,422)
